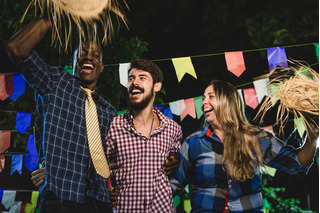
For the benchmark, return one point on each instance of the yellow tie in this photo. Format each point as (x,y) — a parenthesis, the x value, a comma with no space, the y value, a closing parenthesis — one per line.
(94,137)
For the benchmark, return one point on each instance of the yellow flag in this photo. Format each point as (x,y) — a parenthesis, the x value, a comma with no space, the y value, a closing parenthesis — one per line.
(182,66)
(30,207)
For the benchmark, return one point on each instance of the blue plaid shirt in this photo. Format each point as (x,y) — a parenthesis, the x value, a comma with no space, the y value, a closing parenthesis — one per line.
(61,136)
(200,164)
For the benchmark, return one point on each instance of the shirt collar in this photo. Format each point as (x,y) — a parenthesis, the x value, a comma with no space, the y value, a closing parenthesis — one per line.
(208,132)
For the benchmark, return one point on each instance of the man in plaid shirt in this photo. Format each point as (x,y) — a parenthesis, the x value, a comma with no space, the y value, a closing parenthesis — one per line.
(138,144)
(71,182)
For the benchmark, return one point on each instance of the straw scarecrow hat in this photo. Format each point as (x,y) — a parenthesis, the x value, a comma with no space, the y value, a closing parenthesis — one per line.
(86,15)
(297,90)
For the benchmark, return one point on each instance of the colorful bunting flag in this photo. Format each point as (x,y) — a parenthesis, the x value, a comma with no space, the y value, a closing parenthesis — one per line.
(16,207)
(121,112)
(68,69)
(23,121)
(123,73)
(250,97)
(316,47)
(300,126)
(167,112)
(6,85)
(30,207)
(5,138)
(18,86)
(182,66)
(242,102)
(277,57)
(16,164)
(177,107)
(270,171)
(1,194)
(268,128)
(235,62)
(31,161)
(189,109)
(2,161)
(8,198)
(275,92)
(261,88)
(30,145)
(197,104)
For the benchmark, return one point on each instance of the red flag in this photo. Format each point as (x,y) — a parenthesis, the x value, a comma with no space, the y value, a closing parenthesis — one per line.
(6,85)
(5,137)
(235,62)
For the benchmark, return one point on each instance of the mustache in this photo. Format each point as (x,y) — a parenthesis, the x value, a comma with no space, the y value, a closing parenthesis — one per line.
(132,87)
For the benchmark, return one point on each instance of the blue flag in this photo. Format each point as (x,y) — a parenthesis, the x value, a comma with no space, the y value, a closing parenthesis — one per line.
(18,86)
(16,164)
(23,121)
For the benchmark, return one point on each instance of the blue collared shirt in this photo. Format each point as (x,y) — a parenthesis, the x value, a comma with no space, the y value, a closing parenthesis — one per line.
(200,164)
(61,137)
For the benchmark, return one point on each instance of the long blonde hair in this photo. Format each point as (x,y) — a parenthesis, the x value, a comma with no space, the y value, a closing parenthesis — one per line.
(242,153)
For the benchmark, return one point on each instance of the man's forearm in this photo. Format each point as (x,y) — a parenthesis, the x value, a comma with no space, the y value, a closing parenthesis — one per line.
(23,42)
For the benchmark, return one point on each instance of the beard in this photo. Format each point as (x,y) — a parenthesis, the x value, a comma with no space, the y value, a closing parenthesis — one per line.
(143,103)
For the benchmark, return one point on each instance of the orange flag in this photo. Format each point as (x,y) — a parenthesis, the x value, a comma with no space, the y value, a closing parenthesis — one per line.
(235,62)
(189,109)
(5,136)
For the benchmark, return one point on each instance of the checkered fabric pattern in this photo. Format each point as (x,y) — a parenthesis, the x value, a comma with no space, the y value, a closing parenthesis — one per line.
(200,164)
(60,115)
(135,164)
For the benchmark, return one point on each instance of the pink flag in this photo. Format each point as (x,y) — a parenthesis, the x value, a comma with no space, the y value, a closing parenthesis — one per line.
(235,62)
(189,109)
(250,97)
(6,85)
(5,137)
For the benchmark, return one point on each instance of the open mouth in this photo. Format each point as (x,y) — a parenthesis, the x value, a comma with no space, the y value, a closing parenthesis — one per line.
(87,68)
(135,92)
(207,110)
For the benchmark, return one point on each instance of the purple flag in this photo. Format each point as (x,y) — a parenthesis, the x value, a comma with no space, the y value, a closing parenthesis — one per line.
(23,121)
(18,87)
(277,57)
(16,164)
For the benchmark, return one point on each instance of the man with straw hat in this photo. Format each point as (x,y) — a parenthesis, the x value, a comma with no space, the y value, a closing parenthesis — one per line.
(73,182)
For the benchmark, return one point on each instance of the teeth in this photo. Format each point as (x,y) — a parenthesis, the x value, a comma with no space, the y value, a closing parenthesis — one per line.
(135,91)
(87,65)
(207,109)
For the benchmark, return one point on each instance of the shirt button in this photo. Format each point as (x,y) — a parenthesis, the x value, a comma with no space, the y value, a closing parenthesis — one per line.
(230,186)
(227,208)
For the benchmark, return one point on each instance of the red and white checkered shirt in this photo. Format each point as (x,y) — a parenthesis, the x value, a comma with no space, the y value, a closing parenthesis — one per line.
(135,163)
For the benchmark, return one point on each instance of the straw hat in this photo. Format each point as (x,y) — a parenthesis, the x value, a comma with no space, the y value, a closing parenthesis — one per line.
(87,15)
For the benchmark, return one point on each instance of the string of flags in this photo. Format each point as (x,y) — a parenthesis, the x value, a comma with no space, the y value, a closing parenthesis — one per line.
(23,122)
(234,61)
(12,85)
(19,200)
(31,161)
